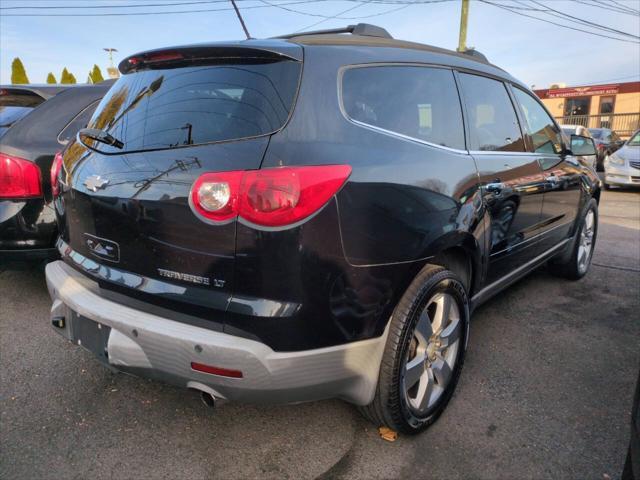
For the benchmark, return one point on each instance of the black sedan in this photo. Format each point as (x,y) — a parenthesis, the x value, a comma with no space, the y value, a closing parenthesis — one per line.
(27,151)
(607,141)
(16,101)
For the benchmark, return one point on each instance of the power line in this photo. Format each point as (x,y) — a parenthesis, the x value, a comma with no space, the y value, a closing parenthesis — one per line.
(625,7)
(327,19)
(582,21)
(117,14)
(331,17)
(508,9)
(606,6)
(57,7)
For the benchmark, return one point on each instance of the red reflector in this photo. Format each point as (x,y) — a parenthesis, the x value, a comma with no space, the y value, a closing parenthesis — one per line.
(223,372)
(271,197)
(56,166)
(19,178)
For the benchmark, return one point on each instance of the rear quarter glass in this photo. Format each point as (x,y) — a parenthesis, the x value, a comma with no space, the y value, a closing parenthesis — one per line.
(175,107)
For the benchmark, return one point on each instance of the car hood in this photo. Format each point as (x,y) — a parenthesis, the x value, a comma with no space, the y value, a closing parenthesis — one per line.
(629,153)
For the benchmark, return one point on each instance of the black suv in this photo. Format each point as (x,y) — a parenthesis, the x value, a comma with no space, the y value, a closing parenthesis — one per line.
(311,216)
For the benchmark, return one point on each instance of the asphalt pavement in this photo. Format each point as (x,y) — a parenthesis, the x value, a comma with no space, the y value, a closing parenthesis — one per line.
(545,392)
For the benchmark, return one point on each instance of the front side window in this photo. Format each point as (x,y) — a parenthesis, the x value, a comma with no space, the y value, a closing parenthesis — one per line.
(545,136)
(493,124)
(417,102)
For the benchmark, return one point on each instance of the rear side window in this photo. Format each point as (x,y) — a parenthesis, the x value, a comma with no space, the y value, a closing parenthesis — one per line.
(545,136)
(493,124)
(166,108)
(417,102)
(80,121)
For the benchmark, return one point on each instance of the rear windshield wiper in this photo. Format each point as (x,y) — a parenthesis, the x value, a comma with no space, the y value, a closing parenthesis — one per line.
(101,136)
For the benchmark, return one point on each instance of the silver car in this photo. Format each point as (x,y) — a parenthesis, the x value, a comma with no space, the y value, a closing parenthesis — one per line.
(568,130)
(622,168)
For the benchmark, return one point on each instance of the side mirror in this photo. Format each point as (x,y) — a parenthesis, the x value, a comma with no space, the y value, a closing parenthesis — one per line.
(582,145)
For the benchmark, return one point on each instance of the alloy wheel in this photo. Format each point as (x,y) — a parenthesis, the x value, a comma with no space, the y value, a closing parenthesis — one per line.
(585,246)
(432,353)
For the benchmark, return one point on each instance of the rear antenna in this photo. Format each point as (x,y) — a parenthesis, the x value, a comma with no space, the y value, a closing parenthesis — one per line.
(244,27)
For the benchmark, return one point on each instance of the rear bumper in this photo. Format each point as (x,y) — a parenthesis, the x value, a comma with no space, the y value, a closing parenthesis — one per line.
(29,254)
(152,346)
(27,230)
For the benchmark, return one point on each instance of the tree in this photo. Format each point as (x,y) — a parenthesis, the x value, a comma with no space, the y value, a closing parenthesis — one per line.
(18,73)
(96,75)
(66,77)
(51,78)
(89,79)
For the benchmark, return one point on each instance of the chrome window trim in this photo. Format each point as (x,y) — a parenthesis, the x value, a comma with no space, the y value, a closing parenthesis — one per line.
(499,152)
(374,128)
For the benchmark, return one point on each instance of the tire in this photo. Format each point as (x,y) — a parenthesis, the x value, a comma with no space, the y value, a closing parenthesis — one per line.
(584,243)
(409,354)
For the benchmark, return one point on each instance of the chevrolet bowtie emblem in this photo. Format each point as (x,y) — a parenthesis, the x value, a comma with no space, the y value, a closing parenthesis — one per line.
(95,182)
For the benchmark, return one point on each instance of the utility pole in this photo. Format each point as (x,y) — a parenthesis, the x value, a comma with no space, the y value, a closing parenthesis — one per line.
(464,15)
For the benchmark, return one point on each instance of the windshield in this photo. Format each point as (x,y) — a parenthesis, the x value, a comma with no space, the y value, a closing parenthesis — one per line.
(635,140)
(597,133)
(168,108)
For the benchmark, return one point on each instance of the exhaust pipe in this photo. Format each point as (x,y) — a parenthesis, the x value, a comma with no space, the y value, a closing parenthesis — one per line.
(208,399)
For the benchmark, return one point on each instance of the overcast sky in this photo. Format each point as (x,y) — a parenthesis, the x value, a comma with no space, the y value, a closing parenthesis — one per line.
(535,52)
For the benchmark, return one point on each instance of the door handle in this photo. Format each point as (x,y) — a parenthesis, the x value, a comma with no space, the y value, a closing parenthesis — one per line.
(495,187)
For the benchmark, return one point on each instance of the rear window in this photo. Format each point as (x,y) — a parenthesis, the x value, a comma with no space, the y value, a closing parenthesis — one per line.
(15,105)
(167,108)
(596,133)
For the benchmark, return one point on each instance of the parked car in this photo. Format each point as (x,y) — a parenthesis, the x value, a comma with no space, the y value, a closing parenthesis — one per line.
(590,160)
(632,464)
(622,168)
(27,220)
(607,142)
(18,100)
(234,223)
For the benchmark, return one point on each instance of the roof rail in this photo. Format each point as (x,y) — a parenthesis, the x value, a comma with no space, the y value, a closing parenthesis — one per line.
(364,29)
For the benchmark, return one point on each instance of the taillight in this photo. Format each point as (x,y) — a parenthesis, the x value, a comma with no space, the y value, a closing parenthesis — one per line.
(19,178)
(272,197)
(56,166)
(214,196)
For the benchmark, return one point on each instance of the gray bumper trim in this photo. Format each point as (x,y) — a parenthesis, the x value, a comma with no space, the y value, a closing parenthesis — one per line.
(157,347)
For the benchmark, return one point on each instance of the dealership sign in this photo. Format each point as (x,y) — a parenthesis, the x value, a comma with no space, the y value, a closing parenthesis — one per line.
(583,91)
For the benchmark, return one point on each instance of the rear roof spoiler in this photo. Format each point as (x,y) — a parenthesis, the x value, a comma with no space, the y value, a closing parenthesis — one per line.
(206,53)
(362,29)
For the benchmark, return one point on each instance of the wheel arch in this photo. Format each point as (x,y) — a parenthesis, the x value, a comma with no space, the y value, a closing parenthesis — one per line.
(459,252)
